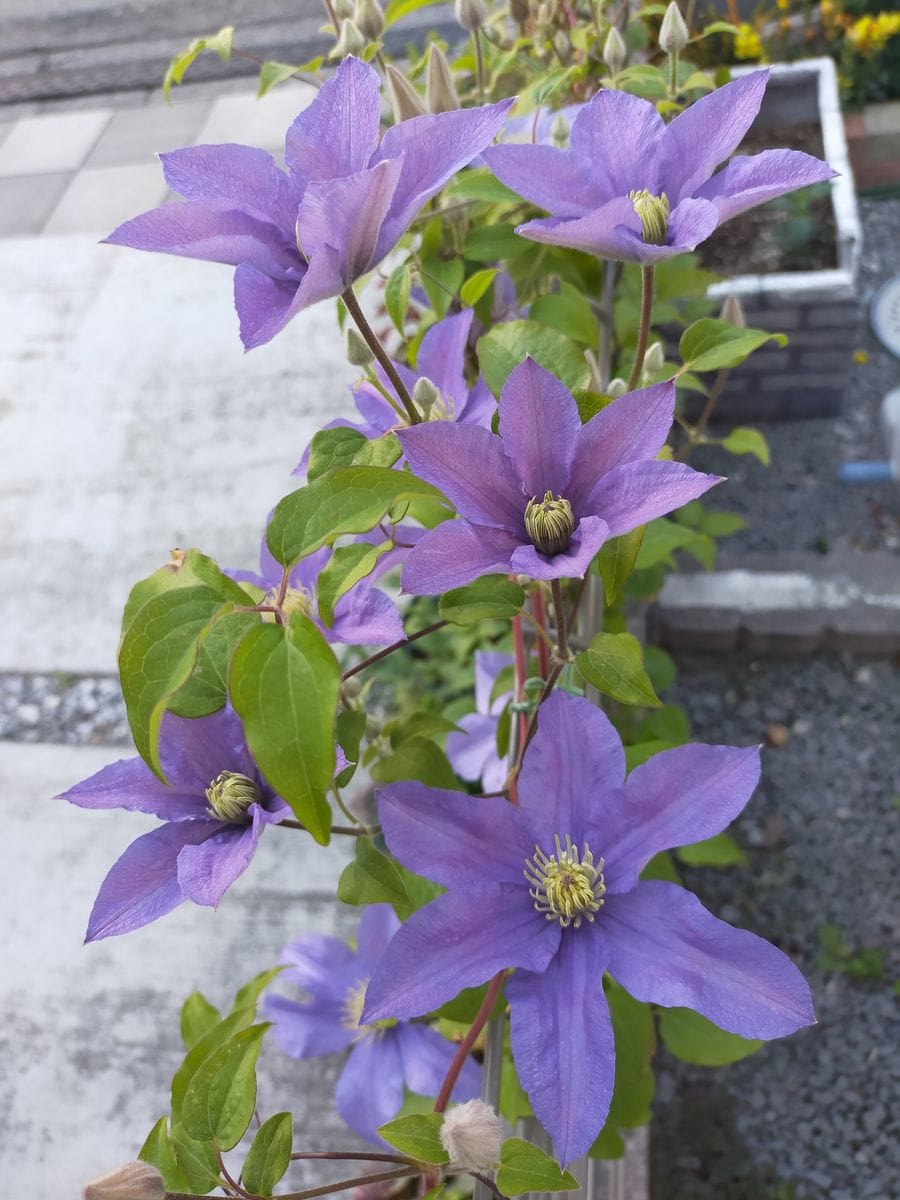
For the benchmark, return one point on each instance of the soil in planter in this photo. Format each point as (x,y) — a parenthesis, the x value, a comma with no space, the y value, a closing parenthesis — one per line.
(794,233)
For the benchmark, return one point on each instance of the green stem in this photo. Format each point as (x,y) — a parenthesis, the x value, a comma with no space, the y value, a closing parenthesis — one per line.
(673,75)
(559,609)
(644,331)
(353,308)
(479,62)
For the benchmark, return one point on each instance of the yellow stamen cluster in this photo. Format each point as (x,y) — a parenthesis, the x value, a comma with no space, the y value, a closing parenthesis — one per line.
(566,886)
(549,523)
(352,1011)
(653,213)
(230,795)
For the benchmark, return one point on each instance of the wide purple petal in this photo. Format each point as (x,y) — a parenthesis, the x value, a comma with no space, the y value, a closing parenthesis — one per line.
(610,231)
(319,964)
(442,357)
(265,305)
(471,468)
(130,784)
(304,1030)
(377,926)
(562,1042)
(480,406)
(193,751)
(459,940)
(633,428)
(455,553)
(665,948)
(426,1059)
(207,871)
(366,617)
(337,134)
(750,180)
(539,425)
(675,798)
(575,756)
(374,409)
(706,133)
(142,884)
(557,180)
(638,492)
(369,1092)
(488,665)
(455,839)
(240,177)
(617,134)
(590,534)
(473,752)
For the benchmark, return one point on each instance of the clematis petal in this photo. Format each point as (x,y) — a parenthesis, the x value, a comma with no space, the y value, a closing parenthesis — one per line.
(675,798)
(442,356)
(130,784)
(193,751)
(638,492)
(306,1030)
(480,406)
(369,1092)
(557,180)
(575,756)
(207,871)
(377,926)
(633,428)
(667,949)
(455,553)
(590,534)
(474,751)
(470,467)
(488,665)
(337,134)
(706,133)
(562,1042)
(617,134)
(426,1058)
(374,409)
(689,224)
(265,305)
(610,231)
(319,964)
(459,940)
(539,425)
(750,180)
(453,838)
(142,884)
(237,177)
(366,617)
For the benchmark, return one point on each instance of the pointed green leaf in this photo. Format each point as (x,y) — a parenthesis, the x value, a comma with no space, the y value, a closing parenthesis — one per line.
(569,311)
(396,296)
(694,1039)
(748,441)
(346,567)
(525,1168)
(201,1050)
(416,758)
(198,1017)
(713,345)
(613,664)
(418,1135)
(378,452)
(221,1097)
(661,537)
(196,1160)
(247,996)
(272,73)
(490,596)
(284,685)
(505,346)
(616,561)
(372,878)
(269,1155)
(476,286)
(332,448)
(159,1152)
(205,690)
(219,42)
(635,1040)
(718,851)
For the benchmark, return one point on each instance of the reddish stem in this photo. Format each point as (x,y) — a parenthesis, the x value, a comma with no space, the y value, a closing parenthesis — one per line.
(464,1048)
(539,610)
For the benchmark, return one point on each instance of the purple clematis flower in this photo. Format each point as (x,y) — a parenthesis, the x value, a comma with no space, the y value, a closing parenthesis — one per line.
(383,1056)
(442,360)
(346,200)
(217,806)
(364,616)
(473,753)
(542,498)
(632,188)
(552,889)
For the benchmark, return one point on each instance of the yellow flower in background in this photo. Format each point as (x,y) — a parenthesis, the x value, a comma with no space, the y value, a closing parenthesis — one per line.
(869,34)
(747,42)
(783,5)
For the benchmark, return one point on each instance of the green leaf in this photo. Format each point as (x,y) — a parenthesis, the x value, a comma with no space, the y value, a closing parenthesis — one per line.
(159,1152)
(418,1135)
(613,664)
(198,1017)
(196,1160)
(421,724)
(719,27)
(201,1050)
(616,561)
(272,73)
(505,346)
(205,690)
(441,278)
(349,729)
(248,994)
(494,243)
(661,537)
(396,296)
(569,311)
(693,1039)
(373,878)
(284,685)
(219,42)
(661,866)
(718,851)
(378,452)
(402,8)
(476,286)
(346,567)
(640,752)
(416,758)
(489,596)
(713,345)
(590,403)
(332,448)
(609,1144)
(748,441)
(182,571)
(269,1155)
(660,667)
(635,1041)
(525,1168)
(346,500)
(480,184)
(718,523)
(220,1099)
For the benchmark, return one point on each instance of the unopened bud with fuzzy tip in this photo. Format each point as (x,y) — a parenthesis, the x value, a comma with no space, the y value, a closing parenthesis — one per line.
(134,1181)
(673,33)
(549,523)
(425,395)
(616,388)
(733,312)
(472,1135)
(351,40)
(471,14)
(368,17)
(343,9)
(440,90)
(405,100)
(654,359)
(614,51)
(358,352)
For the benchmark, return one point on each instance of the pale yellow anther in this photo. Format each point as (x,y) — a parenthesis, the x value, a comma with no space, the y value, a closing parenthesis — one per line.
(653,213)
(566,886)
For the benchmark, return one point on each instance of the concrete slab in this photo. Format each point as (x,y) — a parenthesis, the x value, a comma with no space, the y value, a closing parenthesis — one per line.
(100,198)
(243,118)
(27,201)
(53,142)
(89,1037)
(138,134)
(132,422)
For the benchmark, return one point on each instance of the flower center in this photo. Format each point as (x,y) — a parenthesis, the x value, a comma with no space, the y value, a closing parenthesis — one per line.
(568,886)
(549,523)
(230,795)
(352,1010)
(653,212)
(298,600)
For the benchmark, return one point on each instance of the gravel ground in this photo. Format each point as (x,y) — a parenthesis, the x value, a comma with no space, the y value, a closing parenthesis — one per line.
(797,503)
(813,1116)
(66,709)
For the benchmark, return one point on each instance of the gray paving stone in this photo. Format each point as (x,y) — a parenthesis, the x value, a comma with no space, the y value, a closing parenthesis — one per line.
(51,142)
(100,198)
(243,118)
(137,135)
(27,202)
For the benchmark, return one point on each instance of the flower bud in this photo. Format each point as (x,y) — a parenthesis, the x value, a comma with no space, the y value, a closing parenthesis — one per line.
(351,40)
(733,312)
(471,14)
(562,46)
(230,795)
(425,395)
(357,348)
(653,212)
(405,100)
(559,132)
(440,90)
(673,33)
(549,523)
(614,50)
(368,17)
(472,1135)
(654,359)
(134,1181)
(343,9)
(616,388)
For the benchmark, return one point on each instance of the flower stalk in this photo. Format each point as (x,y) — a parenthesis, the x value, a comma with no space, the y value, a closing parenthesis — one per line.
(368,333)
(644,329)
